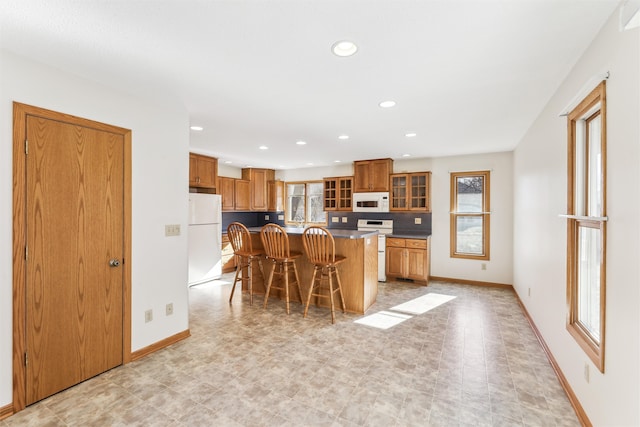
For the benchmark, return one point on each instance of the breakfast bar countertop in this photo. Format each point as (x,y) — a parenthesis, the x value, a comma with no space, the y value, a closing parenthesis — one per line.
(337,233)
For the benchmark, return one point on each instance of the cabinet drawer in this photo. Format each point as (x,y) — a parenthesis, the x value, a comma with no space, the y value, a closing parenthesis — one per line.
(395,242)
(416,243)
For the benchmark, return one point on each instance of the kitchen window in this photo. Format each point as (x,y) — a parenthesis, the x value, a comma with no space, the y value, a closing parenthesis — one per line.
(586,224)
(469,215)
(305,203)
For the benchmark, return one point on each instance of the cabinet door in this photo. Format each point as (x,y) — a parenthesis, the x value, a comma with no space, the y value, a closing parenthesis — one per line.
(259,200)
(416,264)
(379,174)
(228,258)
(275,191)
(399,192)
(330,194)
(395,261)
(345,193)
(361,176)
(208,171)
(419,194)
(242,195)
(228,193)
(193,170)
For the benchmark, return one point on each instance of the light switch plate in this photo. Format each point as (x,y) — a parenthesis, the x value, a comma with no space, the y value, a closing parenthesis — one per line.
(345,219)
(266,217)
(335,219)
(280,217)
(172,230)
(417,221)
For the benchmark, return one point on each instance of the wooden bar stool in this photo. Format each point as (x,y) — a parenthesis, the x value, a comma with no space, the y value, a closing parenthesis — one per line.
(321,251)
(275,242)
(240,239)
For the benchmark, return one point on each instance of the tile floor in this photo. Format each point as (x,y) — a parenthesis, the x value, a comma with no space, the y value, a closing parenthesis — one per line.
(472,361)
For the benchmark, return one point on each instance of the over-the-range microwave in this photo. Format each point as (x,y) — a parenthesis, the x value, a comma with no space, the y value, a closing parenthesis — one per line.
(371,202)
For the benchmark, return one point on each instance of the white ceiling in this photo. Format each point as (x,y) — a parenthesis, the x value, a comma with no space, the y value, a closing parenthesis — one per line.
(468,76)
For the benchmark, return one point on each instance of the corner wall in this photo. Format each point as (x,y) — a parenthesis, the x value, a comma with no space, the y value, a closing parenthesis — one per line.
(160,138)
(540,164)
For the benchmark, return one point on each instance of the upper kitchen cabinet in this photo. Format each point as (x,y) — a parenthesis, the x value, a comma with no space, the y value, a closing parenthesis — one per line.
(337,193)
(236,194)
(259,179)
(372,175)
(203,171)
(275,192)
(411,191)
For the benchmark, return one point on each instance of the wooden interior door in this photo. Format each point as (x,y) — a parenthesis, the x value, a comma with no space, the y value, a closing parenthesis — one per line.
(75,247)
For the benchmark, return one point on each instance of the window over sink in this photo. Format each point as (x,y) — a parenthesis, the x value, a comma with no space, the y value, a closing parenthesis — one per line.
(305,203)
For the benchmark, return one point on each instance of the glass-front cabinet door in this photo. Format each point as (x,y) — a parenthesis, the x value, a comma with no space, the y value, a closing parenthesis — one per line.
(399,192)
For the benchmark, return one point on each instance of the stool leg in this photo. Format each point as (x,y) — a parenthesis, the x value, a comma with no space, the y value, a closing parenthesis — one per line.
(235,280)
(344,307)
(333,316)
(249,281)
(286,283)
(313,281)
(266,294)
(295,271)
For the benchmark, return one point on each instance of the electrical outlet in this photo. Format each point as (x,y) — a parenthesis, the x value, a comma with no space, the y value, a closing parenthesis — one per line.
(266,217)
(335,219)
(586,372)
(345,219)
(172,230)
(169,309)
(483,266)
(417,221)
(148,316)
(280,217)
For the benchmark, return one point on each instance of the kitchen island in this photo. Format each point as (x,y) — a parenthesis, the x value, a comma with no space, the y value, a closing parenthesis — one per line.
(358,273)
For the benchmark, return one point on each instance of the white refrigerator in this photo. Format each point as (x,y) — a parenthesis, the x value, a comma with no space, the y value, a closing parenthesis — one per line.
(205,236)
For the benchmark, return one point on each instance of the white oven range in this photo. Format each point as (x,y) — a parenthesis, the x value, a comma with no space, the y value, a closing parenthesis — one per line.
(383,227)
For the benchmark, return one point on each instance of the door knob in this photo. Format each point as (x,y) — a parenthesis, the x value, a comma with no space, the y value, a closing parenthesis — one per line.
(114,262)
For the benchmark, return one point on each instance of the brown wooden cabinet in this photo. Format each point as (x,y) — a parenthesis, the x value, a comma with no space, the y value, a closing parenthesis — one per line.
(372,175)
(410,191)
(236,194)
(275,192)
(259,179)
(203,171)
(408,259)
(338,193)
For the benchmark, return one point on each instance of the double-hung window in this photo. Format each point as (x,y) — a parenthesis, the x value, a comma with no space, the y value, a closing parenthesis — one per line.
(586,224)
(469,215)
(305,203)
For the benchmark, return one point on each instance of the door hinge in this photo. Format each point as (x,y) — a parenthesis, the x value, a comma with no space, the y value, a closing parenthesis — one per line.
(26,358)
(26,146)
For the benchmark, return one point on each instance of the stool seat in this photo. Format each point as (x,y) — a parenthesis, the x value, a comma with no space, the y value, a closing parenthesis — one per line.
(276,246)
(240,239)
(320,248)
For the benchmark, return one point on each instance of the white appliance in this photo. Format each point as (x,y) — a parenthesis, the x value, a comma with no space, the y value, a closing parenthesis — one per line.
(383,227)
(205,237)
(371,202)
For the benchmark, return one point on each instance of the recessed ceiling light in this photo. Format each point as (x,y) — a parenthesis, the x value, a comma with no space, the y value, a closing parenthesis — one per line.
(410,134)
(344,48)
(337,161)
(309,164)
(263,147)
(387,104)
(198,128)
(343,137)
(301,143)
(406,155)
(228,162)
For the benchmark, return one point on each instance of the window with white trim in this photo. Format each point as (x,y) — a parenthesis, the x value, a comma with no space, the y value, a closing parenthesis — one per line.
(586,224)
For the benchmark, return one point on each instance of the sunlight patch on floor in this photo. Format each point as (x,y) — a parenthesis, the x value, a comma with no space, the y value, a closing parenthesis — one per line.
(383,319)
(423,304)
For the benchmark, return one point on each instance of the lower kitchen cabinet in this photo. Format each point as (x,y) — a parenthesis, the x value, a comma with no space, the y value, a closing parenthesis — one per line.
(228,259)
(408,259)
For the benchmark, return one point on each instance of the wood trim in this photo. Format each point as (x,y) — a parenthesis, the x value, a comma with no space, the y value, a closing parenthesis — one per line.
(573,399)
(470,282)
(20,112)
(485,214)
(145,351)
(6,411)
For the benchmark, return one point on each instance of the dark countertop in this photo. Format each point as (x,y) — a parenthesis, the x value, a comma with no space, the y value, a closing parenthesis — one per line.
(337,233)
